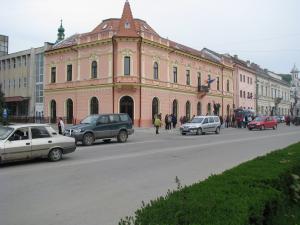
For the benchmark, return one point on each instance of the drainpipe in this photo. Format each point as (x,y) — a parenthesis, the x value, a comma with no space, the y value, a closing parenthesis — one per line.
(140,76)
(114,63)
(223,92)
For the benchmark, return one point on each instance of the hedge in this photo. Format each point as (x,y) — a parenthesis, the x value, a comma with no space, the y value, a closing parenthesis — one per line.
(253,193)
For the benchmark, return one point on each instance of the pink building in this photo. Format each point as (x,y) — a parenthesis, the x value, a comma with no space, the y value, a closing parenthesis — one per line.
(123,65)
(245,84)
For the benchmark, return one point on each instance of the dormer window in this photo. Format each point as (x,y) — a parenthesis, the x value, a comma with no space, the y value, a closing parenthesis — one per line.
(127,25)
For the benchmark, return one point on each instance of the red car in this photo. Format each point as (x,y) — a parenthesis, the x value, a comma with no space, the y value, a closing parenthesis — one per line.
(262,123)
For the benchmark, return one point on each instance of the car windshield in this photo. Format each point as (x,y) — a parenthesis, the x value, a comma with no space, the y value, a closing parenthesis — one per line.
(197,120)
(259,119)
(90,119)
(5,132)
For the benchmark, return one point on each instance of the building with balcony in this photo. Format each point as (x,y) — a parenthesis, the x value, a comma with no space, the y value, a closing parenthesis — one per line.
(125,66)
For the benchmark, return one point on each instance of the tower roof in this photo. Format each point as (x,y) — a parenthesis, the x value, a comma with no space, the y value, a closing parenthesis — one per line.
(127,25)
(295,69)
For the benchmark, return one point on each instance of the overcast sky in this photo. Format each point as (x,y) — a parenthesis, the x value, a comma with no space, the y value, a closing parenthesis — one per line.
(266,32)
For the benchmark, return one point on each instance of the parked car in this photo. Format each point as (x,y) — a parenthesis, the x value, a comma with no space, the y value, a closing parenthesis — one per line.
(277,118)
(201,125)
(21,142)
(297,121)
(262,123)
(104,126)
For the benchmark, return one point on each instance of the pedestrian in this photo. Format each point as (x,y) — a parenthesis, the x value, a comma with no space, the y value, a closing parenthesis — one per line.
(221,120)
(245,120)
(61,126)
(233,121)
(157,124)
(170,122)
(227,121)
(166,122)
(181,120)
(174,120)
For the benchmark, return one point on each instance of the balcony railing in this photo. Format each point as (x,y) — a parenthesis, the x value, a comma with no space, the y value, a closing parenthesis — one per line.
(202,88)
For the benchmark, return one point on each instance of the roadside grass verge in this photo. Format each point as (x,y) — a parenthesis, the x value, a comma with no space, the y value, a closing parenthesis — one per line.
(259,192)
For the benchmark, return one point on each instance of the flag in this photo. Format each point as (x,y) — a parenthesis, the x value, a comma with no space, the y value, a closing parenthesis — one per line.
(208,81)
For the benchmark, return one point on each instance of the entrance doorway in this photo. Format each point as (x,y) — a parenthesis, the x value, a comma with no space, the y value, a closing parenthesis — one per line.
(127,106)
(69,111)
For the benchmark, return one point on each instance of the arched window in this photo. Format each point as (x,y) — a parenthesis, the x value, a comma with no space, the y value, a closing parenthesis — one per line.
(188,110)
(228,110)
(209,109)
(155,109)
(199,109)
(94,106)
(53,111)
(175,108)
(94,69)
(155,71)
(69,111)
(218,83)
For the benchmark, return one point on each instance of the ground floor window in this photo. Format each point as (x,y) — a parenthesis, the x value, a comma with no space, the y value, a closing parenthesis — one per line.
(53,111)
(94,106)
(175,108)
(188,110)
(199,109)
(69,111)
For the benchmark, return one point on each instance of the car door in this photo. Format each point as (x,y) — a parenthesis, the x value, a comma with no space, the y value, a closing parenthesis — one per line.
(41,141)
(103,127)
(18,145)
(116,124)
(205,125)
(211,122)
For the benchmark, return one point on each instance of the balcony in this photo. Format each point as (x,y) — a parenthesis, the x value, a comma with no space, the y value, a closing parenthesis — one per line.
(202,91)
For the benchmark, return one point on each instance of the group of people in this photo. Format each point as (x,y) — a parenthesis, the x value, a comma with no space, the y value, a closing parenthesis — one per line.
(170,121)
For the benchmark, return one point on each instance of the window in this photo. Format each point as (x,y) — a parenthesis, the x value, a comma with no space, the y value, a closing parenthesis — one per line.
(14,83)
(199,79)
(208,81)
(188,110)
(103,120)
(19,82)
(228,87)
(175,74)
(39,132)
(127,65)
(8,83)
(39,93)
(155,71)
(244,94)
(199,109)
(211,120)
(114,118)
(69,72)
(244,78)
(188,78)
(14,62)
(25,82)
(94,106)
(248,80)
(262,90)
(20,134)
(218,83)
(267,91)
(94,69)
(241,77)
(53,74)
(124,117)
(241,93)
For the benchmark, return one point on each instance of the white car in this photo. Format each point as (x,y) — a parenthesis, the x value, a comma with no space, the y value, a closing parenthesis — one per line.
(28,141)
(201,125)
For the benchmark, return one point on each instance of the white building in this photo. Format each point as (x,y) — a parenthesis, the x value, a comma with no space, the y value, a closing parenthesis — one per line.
(295,92)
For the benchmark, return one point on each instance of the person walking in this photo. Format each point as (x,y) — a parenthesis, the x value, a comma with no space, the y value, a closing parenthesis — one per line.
(61,126)
(157,124)
(227,121)
(170,122)
(221,120)
(174,121)
(166,122)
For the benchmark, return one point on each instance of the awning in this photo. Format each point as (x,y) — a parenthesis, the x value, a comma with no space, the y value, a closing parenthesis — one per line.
(15,99)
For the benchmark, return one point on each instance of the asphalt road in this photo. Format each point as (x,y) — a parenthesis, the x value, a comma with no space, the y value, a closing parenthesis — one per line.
(98,185)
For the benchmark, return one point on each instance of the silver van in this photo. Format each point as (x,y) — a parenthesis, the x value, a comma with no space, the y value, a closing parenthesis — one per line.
(201,125)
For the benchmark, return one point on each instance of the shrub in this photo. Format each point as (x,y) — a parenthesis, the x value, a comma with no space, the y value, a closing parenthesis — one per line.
(251,193)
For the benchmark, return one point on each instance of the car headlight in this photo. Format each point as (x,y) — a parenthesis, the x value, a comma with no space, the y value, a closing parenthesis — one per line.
(78,130)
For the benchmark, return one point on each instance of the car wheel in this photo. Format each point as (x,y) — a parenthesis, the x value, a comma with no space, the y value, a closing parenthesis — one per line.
(107,140)
(55,155)
(199,131)
(122,136)
(183,133)
(275,127)
(249,128)
(88,139)
(262,127)
(218,130)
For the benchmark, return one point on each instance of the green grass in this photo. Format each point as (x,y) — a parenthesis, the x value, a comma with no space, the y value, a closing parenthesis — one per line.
(255,192)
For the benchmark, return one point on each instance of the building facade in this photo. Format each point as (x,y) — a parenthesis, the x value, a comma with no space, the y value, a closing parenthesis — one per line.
(3,45)
(273,93)
(21,78)
(124,66)
(295,92)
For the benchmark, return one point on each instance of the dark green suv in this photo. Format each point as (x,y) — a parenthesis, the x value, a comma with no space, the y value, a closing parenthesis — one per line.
(104,126)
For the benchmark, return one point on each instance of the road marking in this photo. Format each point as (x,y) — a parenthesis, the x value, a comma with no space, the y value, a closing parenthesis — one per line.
(140,154)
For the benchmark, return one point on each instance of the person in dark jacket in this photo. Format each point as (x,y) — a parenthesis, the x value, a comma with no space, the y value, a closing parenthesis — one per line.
(174,120)
(166,122)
